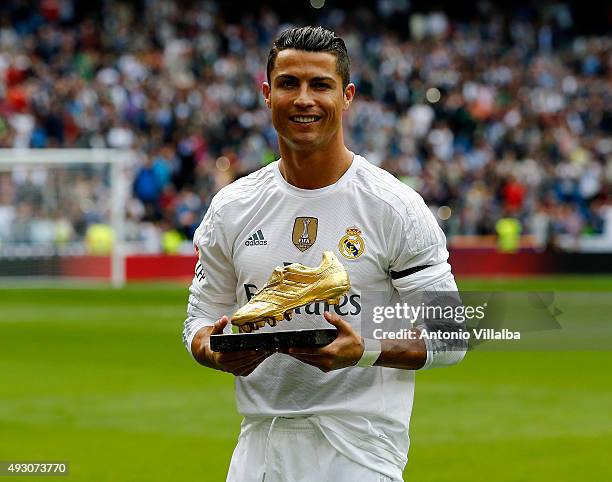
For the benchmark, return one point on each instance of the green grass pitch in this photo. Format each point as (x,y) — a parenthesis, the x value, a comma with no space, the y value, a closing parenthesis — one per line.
(100,378)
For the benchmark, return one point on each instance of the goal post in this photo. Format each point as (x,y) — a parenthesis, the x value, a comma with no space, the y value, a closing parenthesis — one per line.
(63,210)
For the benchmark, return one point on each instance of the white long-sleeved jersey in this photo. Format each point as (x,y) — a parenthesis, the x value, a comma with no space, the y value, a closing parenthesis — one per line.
(380,229)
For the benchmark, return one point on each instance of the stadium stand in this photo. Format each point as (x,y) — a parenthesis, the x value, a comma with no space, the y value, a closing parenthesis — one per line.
(507,115)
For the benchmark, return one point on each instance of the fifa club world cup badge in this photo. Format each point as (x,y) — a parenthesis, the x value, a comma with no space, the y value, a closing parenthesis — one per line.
(304,232)
(351,246)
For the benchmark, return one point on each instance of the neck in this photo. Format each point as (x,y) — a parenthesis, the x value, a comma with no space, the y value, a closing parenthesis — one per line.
(314,169)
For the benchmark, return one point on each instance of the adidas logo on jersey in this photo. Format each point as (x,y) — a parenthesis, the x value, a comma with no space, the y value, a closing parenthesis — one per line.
(256,239)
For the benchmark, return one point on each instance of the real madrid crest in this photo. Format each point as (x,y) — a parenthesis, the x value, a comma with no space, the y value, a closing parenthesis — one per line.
(351,245)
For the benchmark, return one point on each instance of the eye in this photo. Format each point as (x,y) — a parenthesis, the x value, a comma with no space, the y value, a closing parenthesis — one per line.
(321,85)
(287,83)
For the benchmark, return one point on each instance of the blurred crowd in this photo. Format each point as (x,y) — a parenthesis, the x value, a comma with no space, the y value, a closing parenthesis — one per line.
(507,116)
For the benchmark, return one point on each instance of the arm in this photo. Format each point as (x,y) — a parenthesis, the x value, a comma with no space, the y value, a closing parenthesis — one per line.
(212,295)
(403,354)
(417,266)
(347,349)
(241,363)
(435,286)
(409,354)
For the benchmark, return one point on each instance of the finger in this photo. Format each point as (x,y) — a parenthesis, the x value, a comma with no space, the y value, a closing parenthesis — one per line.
(241,354)
(305,350)
(219,326)
(243,362)
(246,372)
(339,323)
(235,363)
(308,358)
(248,369)
(232,359)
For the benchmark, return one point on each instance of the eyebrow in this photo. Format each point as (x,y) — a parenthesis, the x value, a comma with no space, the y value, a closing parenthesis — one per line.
(313,79)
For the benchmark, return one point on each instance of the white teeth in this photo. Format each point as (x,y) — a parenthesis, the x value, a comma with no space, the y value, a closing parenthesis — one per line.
(304,120)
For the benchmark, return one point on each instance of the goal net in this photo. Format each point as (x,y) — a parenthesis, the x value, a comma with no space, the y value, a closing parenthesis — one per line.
(62,214)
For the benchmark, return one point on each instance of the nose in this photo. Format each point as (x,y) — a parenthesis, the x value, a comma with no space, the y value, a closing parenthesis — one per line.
(304,97)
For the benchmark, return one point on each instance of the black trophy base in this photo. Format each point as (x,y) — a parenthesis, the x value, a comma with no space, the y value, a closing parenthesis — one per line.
(272,340)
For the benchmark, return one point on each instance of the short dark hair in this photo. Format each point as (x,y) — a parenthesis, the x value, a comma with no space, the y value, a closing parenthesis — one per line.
(313,39)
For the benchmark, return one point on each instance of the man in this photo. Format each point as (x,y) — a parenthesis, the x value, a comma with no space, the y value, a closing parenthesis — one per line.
(310,413)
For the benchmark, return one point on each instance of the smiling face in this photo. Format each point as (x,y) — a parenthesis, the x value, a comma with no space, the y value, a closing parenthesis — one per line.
(307,99)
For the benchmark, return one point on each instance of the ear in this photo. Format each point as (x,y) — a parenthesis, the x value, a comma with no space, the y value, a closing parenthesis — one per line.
(349,95)
(265,90)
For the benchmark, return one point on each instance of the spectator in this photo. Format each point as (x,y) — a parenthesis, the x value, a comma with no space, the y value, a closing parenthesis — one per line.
(508,112)
(148,189)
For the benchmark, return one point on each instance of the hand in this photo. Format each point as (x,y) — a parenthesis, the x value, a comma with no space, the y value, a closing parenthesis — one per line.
(344,351)
(240,363)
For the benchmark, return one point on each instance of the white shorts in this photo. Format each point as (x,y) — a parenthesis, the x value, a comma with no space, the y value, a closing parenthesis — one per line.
(292,450)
